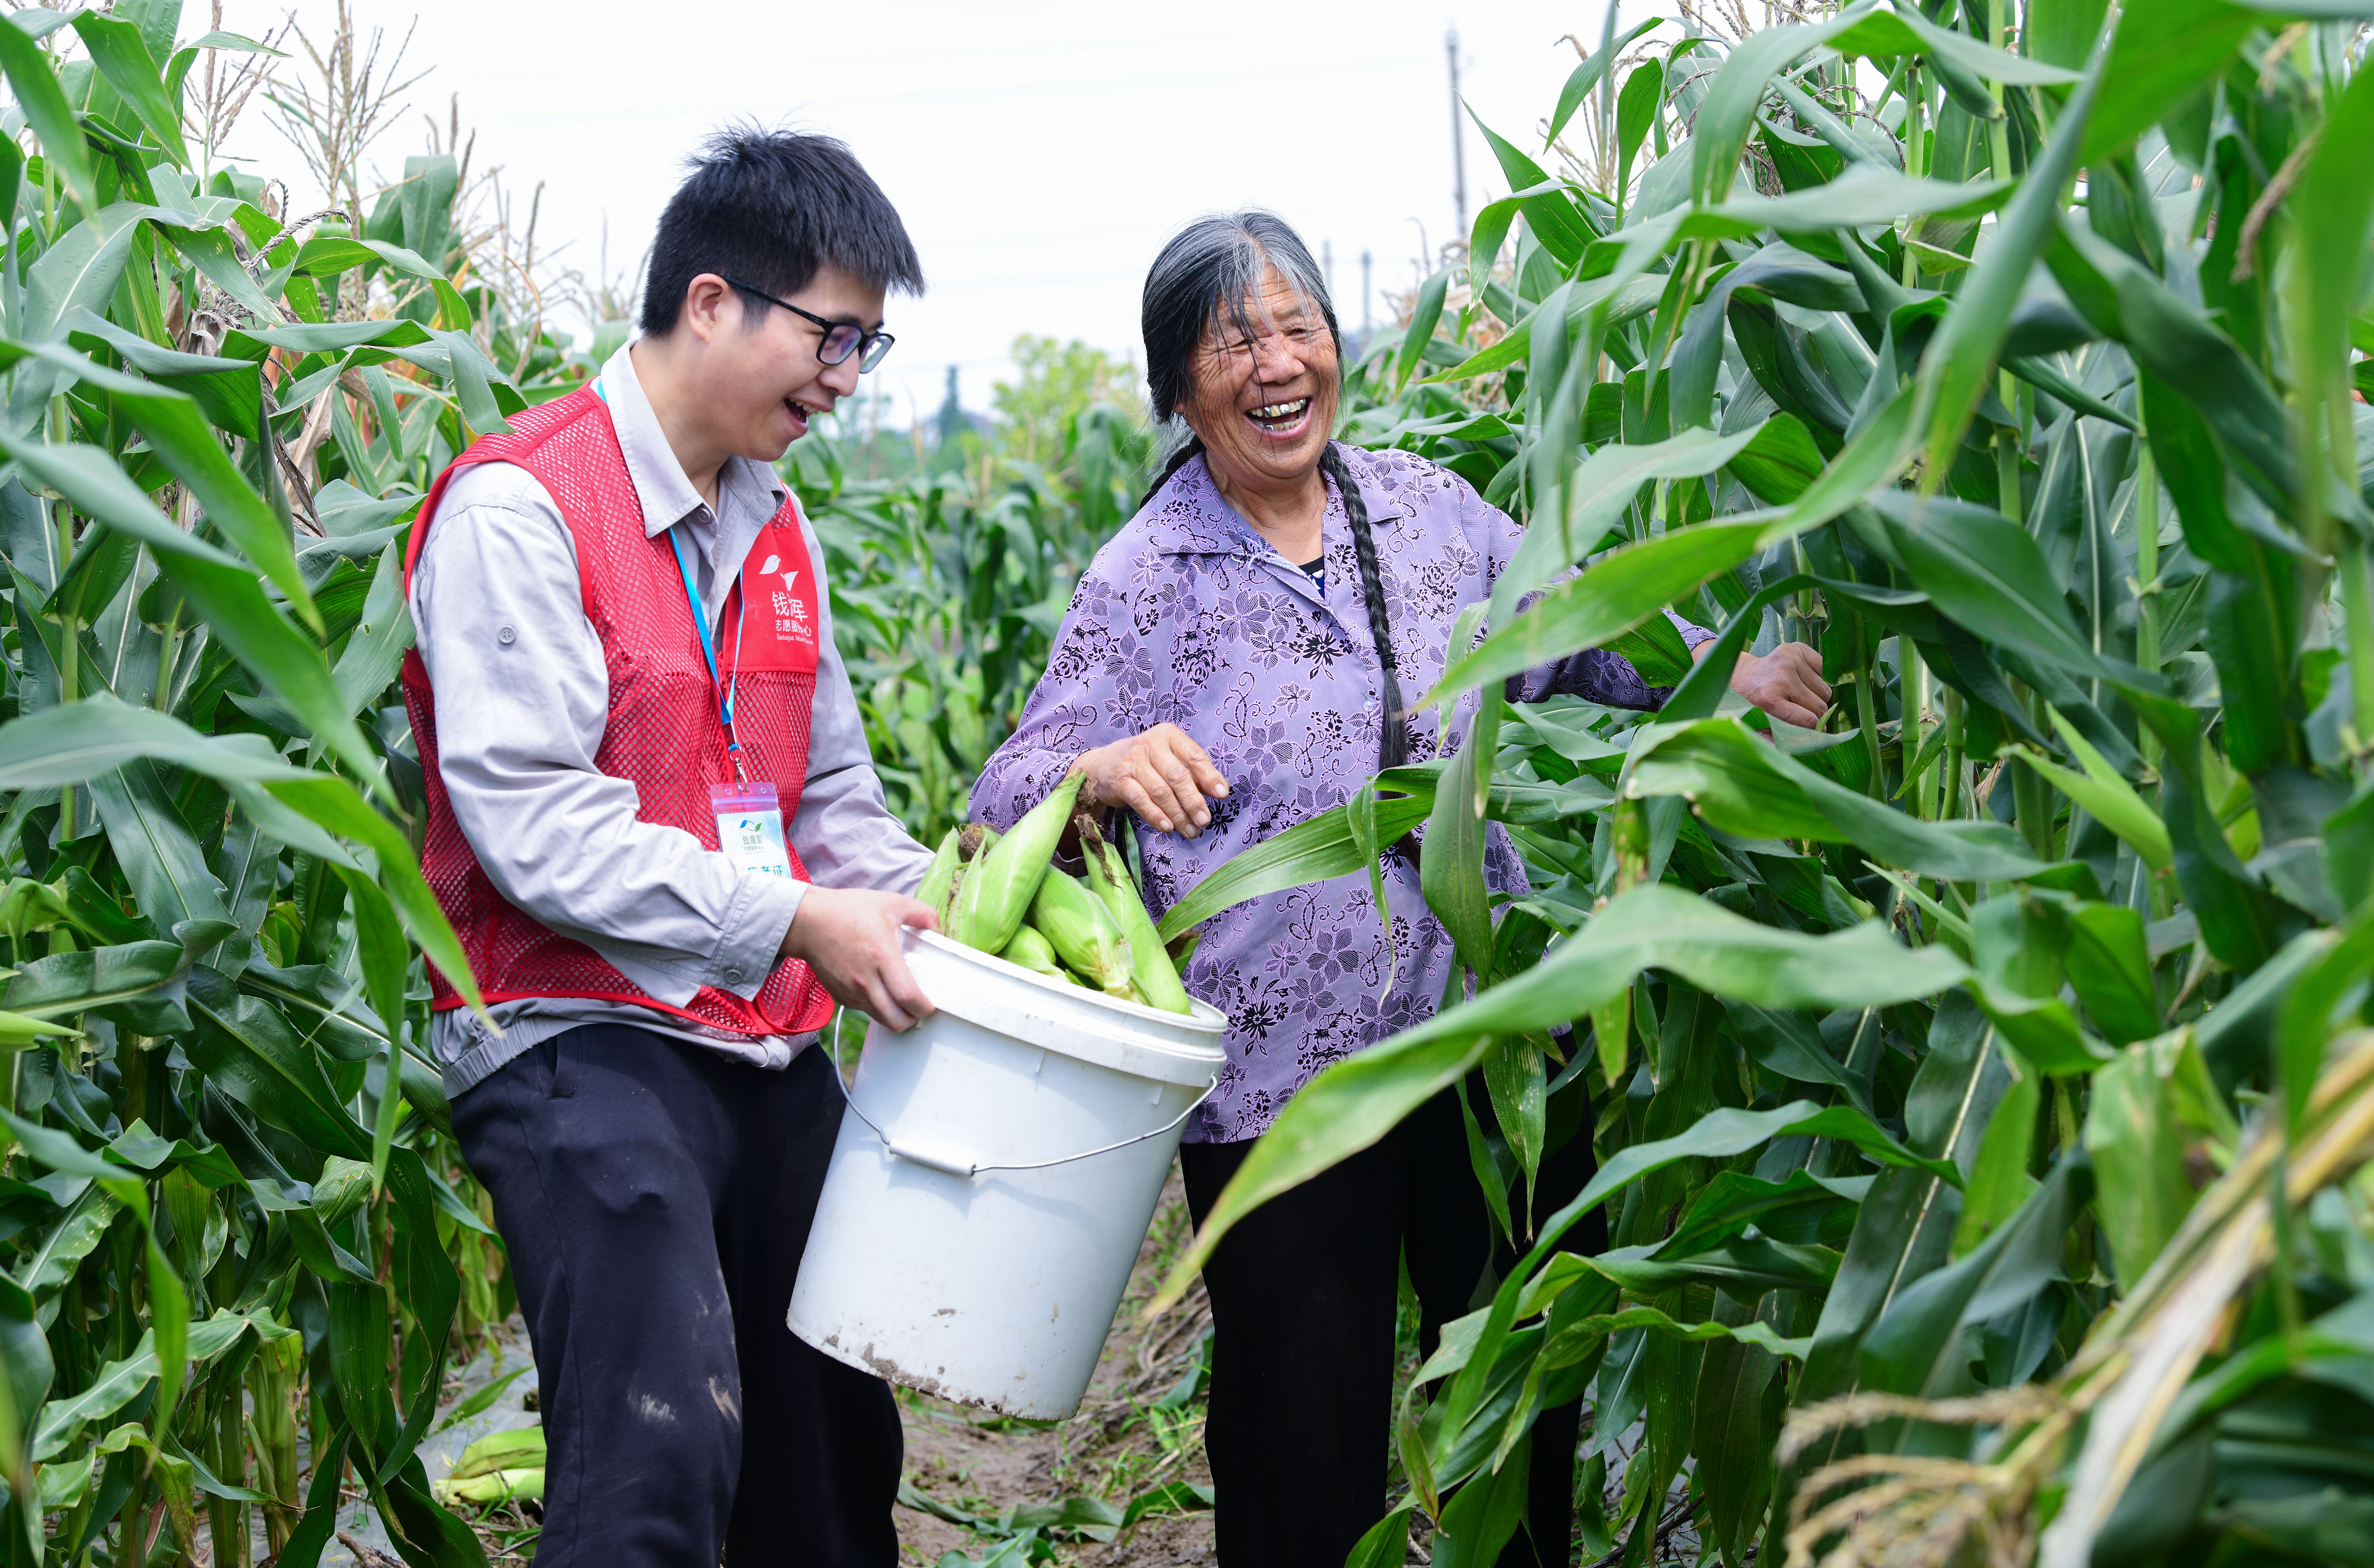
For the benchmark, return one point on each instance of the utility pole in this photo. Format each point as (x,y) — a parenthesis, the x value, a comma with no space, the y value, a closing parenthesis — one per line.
(1364,293)
(1458,135)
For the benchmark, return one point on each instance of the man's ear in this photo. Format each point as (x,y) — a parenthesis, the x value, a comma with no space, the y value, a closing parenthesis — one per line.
(707,298)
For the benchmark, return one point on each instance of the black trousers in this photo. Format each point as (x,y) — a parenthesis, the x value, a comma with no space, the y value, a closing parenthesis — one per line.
(1304,1296)
(655,1198)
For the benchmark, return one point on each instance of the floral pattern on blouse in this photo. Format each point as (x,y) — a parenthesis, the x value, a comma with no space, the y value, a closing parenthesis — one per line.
(1187,616)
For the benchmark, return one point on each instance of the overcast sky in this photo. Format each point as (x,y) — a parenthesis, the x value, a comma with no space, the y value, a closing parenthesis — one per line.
(1039,150)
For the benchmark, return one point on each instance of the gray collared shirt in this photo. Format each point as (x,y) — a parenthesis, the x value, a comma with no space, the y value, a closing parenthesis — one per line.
(523,698)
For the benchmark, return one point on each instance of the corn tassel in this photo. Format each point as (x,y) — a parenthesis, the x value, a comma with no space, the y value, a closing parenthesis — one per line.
(1008,879)
(1110,880)
(1069,916)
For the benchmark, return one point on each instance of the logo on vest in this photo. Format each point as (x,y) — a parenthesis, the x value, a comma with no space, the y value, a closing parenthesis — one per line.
(790,612)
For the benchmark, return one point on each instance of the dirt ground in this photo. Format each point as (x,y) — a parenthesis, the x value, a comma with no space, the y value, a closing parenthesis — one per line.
(976,1486)
(1139,1432)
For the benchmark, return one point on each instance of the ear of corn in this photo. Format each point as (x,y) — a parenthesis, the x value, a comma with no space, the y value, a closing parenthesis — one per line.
(513,1449)
(495,1486)
(1008,878)
(501,1467)
(1068,915)
(1033,951)
(1109,879)
(975,841)
(942,871)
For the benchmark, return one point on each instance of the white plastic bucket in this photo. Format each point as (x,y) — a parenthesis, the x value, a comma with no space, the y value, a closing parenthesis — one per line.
(977,1246)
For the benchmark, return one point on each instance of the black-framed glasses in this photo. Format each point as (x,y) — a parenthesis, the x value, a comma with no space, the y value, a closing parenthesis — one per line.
(842,339)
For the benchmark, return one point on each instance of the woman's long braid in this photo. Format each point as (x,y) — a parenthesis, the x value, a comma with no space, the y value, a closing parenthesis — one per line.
(1392,742)
(1188,451)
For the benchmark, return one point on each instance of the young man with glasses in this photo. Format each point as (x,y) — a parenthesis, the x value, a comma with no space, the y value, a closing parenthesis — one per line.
(654,823)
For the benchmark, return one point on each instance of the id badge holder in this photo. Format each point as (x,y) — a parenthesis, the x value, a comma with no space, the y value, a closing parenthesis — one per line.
(750,827)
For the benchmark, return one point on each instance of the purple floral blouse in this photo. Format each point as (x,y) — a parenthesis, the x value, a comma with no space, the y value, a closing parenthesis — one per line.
(1187,615)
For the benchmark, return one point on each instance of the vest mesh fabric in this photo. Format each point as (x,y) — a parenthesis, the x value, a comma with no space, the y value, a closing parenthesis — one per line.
(662,733)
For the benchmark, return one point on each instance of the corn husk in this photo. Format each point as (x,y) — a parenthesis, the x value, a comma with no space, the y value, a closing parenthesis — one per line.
(514,1449)
(975,841)
(934,888)
(1071,919)
(1034,952)
(1109,879)
(495,1486)
(1006,880)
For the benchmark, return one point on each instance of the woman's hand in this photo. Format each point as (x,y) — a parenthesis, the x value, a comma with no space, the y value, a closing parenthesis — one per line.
(1160,774)
(1786,683)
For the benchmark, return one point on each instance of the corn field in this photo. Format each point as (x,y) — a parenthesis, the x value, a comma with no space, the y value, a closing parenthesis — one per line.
(1983,1088)
(1983,1101)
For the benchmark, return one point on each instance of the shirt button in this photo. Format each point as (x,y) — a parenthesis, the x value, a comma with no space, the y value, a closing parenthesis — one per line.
(734,974)
(506,636)
(1370,701)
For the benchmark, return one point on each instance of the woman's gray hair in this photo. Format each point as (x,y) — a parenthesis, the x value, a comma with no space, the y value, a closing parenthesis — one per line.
(1211,269)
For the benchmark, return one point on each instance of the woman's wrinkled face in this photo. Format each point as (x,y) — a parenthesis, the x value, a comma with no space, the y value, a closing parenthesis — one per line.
(1263,389)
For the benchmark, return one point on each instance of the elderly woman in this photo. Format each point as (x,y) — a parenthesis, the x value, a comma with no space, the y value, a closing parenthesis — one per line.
(1234,663)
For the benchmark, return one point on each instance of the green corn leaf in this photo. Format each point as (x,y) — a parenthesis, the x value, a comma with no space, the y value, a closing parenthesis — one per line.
(1550,210)
(1586,75)
(1451,873)
(122,58)
(247,1049)
(1420,331)
(1728,112)
(333,804)
(1999,1181)
(221,590)
(1913,1349)
(1905,1226)
(37,91)
(79,272)
(159,856)
(1315,851)
(2161,54)
(1598,494)
(1987,573)
(375,650)
(83,740)
(1745,786)
(178,433)
(74,1236)
(1637,103)
(119,1382)
(2113,804)
(2141,1189)
(1356,1101)
(1961,359)
(1733,1429)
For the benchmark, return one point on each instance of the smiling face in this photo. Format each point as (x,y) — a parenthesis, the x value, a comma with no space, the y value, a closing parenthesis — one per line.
(761,381)
(1264,389)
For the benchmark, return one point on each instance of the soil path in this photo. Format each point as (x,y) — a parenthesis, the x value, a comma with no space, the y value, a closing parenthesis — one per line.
(1140,1430)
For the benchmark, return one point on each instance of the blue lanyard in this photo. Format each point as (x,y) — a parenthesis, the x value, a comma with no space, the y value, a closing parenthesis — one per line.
(709,653)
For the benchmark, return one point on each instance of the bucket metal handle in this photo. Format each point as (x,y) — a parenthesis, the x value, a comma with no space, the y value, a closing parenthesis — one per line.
(947,1166)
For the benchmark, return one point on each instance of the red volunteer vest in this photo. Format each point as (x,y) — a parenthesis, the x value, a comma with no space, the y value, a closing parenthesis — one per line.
(663,734)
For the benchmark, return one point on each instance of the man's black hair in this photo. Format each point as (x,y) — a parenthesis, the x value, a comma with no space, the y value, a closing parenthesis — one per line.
(769,207)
